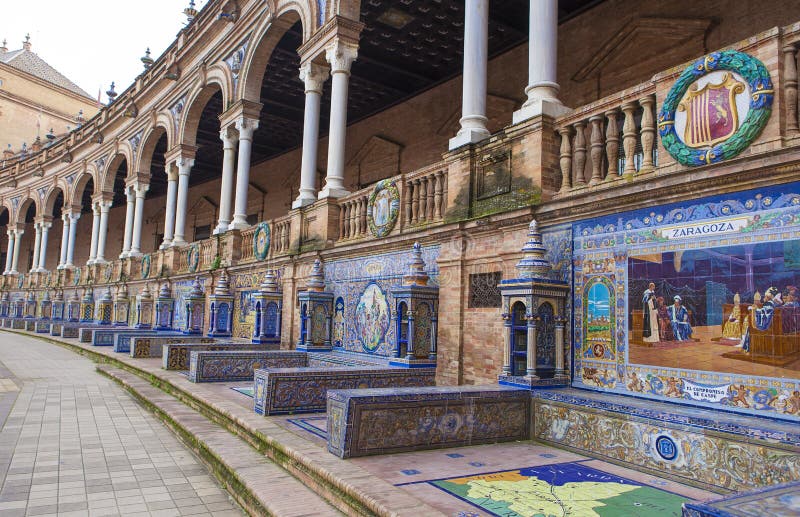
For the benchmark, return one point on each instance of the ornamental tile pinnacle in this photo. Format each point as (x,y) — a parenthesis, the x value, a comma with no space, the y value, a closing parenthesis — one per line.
(197,289)
(269,284)
(145,294)
(417,274)
(534,264)
(316,281)
(223,286)
(165,291)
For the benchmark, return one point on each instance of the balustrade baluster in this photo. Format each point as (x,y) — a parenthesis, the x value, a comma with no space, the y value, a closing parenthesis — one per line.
(431,179)
(415,203)
(648,133)
(629,138)
(437,196)
(612,145)
(423,196)
(341,221)
(597,149)
(790,56)
(407,200)
(579,153)
(352,232)
(363,203)
(565,159)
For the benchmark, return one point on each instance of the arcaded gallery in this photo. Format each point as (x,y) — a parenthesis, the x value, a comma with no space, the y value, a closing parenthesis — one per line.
(443,257)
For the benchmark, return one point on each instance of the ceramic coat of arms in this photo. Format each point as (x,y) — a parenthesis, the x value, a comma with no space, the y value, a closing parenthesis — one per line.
(382,208)
(261,241)
(716,109)
(145,266)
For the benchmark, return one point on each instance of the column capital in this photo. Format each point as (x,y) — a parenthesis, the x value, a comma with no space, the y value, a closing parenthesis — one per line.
(229,136)
(314,76)
(140,189)
(239,109)
(246,127)
(341,55)
(129,193)
(44,219)
(184,164)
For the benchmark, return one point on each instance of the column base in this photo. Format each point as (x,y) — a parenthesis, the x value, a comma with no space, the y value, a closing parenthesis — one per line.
(334,192)
(221,228)
(535,107)
(41,270)
(301,201)
(133,254)
(99,262)
(177,242)
(239,224)
(165,244)
(466,136)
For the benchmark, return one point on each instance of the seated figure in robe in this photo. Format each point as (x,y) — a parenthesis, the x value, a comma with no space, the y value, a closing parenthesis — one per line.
(732,327)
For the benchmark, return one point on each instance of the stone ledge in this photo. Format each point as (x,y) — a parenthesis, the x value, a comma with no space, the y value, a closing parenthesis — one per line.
(239,468)
(349,487)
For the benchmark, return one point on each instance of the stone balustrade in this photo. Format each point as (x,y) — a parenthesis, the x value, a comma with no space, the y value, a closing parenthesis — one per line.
(424,196)
(609,140)
(281,235)
(791,56)
(353,215)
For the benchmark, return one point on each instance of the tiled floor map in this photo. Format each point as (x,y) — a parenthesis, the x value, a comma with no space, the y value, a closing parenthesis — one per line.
(244,391)
(569,489)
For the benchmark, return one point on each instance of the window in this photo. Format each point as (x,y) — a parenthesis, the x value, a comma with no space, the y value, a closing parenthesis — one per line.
(483,291)
(202,232)
(252,219)
(159,239)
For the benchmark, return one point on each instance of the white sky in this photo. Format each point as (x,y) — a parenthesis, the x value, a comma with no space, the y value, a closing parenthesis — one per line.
(93,43)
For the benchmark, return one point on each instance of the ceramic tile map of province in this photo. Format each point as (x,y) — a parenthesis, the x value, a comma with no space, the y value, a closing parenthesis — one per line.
(566,489)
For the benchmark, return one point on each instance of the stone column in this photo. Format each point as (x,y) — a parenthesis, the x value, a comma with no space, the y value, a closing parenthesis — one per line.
(341,57)
(73,228)
(103,232)
(229,138)
(95,232)
(17,241)
(12,237)
(44,230)
(313,76)
(542,90)
(129,214)
(476,59)
(36,247)
(508,342)
(62,259)
(246,128)
(169,217)
(184,168)
(560,370)
(138,219)
(531,351)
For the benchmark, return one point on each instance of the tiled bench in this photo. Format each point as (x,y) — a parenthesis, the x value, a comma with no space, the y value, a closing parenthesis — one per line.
(107,336)
(362,422)
(781,499)
(239,365)
(18,324)
(73,329)
(122,341)
(665,439)
(30,325)
(55,328)
(150,346)
(176,356)
(43,326)
(290,390)
(87,333)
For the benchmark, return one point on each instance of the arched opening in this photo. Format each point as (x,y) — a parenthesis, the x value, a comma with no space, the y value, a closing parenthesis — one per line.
(118,169)
(202,129)
(519,339)
(82,201)
(54,207)
(4,220)
(154,163)
(402,329)
(546,341)
(29,238)
(257,325)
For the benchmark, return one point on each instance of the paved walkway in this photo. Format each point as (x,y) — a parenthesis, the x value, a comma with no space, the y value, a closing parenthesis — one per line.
(74,443)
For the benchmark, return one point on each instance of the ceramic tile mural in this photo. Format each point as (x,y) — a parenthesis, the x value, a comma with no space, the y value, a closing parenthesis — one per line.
(363,321)
(695,301)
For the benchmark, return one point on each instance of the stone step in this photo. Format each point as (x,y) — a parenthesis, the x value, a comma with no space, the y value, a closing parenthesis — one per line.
(256,483)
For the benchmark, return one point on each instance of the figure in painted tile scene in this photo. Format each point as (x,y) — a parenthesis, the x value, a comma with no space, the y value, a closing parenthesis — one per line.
(650,311)
(679,317)
(733,329)
(664,324)
(761,314)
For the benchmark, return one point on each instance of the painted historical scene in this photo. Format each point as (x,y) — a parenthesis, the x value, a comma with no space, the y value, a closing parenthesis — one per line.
(727,309)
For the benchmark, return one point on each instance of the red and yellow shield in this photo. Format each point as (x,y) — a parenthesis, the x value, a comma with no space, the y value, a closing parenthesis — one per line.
(711,114)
